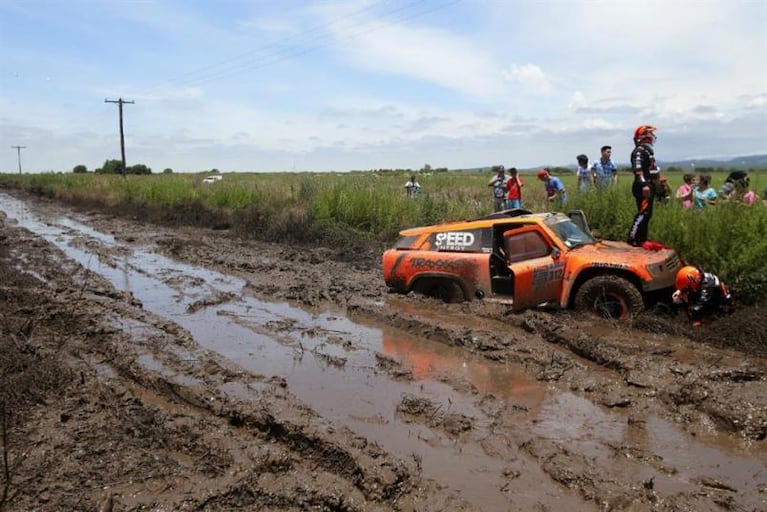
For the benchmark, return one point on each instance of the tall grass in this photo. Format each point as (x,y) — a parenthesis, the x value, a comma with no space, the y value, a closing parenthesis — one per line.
(371,208)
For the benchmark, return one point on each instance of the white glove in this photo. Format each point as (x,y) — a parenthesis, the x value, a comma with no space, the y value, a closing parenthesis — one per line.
(677,297)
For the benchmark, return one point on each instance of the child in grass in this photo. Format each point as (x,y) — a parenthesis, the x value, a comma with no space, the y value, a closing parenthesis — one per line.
(703,195)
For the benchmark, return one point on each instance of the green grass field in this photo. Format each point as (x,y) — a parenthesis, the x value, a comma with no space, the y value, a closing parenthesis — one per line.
(369,208)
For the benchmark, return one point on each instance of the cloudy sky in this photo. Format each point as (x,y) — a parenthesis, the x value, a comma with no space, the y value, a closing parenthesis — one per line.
(266,85)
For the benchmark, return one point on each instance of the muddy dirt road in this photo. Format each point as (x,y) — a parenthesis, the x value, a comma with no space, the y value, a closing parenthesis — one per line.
(152,368)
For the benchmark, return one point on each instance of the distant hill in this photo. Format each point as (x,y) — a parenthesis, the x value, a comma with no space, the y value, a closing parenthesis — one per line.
(739,162)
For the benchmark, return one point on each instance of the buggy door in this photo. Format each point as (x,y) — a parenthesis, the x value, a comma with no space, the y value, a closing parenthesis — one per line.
(536,267)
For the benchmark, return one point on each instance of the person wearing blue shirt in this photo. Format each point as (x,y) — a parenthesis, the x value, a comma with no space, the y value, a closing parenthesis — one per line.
(604,170)
(703,195)
(554,187)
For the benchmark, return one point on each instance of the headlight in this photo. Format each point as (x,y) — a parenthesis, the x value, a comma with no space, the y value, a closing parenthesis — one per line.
(669,266)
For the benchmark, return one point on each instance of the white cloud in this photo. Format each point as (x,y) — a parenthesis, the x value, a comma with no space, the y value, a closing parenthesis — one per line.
(427,54)
(598,123)
(530,76)
(576,100)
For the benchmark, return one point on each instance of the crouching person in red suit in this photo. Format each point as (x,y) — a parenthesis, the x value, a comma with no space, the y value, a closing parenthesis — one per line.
(703,294)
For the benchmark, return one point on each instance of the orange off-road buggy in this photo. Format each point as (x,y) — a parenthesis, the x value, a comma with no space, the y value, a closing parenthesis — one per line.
(529,259)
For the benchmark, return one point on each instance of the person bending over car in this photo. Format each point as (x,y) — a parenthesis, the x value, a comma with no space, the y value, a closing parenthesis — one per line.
(554,187)
(703,295)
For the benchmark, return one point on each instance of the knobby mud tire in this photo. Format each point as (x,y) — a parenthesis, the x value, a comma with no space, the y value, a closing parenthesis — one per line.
(609,296)
(447,291)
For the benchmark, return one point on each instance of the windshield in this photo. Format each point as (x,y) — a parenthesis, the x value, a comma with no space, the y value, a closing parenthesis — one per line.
(569,232)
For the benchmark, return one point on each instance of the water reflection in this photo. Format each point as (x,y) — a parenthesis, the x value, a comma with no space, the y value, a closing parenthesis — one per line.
(428,360)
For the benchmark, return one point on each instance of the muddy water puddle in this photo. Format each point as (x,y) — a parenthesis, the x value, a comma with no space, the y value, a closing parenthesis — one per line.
(330,363)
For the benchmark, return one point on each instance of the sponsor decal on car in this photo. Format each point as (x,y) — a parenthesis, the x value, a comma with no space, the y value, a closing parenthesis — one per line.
(454,241)
(450,265)
(548,273)
(610,265)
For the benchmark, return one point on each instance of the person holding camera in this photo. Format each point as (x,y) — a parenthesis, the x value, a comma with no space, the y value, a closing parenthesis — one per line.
(514,185)
(499,182)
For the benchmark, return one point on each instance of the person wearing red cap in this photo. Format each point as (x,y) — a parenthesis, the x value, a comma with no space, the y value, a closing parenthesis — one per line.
(554,187)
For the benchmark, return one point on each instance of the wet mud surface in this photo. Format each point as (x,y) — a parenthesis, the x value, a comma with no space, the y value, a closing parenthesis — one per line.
(157,368)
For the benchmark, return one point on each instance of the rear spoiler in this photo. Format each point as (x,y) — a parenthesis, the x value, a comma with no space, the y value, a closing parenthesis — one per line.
(503,214)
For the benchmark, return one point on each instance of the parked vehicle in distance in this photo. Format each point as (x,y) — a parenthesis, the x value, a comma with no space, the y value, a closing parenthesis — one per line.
(528,259)
(212,179)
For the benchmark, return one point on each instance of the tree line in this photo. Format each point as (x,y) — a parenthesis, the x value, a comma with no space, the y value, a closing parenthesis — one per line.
(116,167)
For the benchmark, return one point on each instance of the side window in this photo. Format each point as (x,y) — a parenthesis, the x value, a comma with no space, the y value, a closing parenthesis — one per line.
(487,239)
(526,246)
(406,242)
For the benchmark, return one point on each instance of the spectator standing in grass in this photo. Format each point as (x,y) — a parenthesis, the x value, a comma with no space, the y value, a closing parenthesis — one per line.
(412,187)
(515,184)
(662,190)
(684,192)
(645,177)
(743,193)
(500,189)
(554,187)
(604,171)
(704,195)
(735,187)
(585,179)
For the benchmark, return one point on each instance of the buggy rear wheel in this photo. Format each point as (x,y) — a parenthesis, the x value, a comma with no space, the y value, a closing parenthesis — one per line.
(448,291)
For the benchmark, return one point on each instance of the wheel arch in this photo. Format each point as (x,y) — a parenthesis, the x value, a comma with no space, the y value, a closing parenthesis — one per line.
(592,272)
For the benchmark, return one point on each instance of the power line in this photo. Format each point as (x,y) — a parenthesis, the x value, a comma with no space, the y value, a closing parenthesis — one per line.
(18,152)
(190,75)
(120,103)
(282,53)
(297,50)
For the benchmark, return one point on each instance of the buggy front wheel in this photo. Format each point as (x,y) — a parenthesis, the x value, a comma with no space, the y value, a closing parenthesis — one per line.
(609,297)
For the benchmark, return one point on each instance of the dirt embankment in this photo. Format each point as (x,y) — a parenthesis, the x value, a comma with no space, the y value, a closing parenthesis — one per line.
(105,401)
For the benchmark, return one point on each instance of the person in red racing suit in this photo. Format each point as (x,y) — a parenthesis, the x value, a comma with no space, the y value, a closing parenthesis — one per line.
(703,294)
(643,188)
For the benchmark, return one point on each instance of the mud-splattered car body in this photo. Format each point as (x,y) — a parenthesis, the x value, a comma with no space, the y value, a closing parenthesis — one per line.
(528,259)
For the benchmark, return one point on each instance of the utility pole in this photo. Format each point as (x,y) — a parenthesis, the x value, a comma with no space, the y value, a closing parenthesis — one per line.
(18,152)
(120,102)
